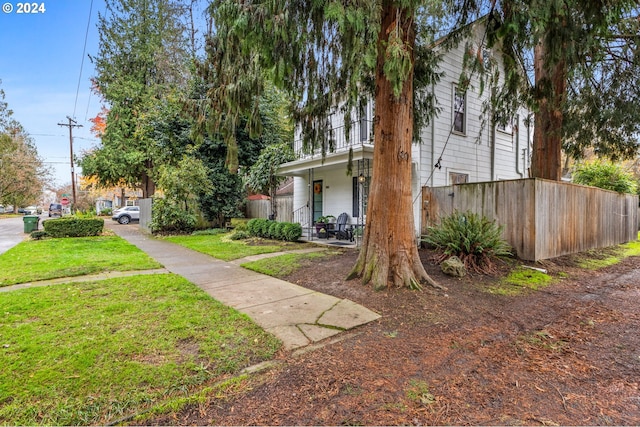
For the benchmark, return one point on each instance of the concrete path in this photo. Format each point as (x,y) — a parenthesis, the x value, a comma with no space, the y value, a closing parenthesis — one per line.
(296,315)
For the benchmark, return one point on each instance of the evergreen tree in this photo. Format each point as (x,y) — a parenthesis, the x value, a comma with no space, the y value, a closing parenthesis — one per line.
(23,172)
(326,54)
(585,62)
(141,62)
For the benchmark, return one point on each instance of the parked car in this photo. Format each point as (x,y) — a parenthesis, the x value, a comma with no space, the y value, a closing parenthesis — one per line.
(31,210)
(1,209)
(126,214)
(55,210)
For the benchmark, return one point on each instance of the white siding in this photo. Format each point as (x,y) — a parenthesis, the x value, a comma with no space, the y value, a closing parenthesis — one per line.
(474,152)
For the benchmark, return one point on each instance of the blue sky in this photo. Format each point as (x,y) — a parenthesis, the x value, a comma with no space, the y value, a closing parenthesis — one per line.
(40,68)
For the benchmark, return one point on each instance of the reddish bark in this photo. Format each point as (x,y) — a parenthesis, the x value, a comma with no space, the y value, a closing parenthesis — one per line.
(389,255)
(551,87)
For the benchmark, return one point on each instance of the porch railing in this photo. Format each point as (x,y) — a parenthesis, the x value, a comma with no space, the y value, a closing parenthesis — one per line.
(335,139)
(301,216)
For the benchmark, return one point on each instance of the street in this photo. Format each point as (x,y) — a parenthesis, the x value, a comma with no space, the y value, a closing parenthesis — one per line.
(11,233)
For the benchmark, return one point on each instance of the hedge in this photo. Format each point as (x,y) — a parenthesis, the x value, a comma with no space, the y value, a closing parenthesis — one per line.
(73,227)
(260,227)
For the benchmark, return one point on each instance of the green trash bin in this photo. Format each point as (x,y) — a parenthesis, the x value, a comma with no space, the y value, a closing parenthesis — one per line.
(30,223)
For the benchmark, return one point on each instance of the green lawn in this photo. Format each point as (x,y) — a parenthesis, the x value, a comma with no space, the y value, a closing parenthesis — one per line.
(94,352)
(34,260)
(222,247)
(285,264)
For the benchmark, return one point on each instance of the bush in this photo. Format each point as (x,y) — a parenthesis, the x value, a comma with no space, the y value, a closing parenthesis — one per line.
(292,231)
(264,228)
(260,227)
(605,175)
(239,235)
(472,238)
(273,231)
(38,235)
(239,224)
(168,217)
(254,226)
(73,227)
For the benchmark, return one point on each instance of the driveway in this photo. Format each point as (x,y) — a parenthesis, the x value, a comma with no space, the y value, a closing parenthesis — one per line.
(11,233)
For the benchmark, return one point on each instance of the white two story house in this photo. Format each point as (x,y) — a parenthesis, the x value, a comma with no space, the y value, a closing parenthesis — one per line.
(461,144)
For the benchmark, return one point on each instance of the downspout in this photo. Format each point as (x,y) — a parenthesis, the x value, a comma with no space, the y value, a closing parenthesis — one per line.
(493,147)
(433,139)
(310,205)
(527,151)
(518,171)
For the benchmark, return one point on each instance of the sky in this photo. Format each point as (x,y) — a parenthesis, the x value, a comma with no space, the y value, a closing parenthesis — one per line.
(45,73)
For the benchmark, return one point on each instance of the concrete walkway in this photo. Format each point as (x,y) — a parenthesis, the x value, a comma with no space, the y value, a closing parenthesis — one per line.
(296,315)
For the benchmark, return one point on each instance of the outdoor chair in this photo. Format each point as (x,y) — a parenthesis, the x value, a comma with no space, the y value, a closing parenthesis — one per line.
(342,231)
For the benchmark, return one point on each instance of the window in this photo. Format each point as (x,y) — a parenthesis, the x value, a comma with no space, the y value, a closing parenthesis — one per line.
(459,111)
(360,192)
(458,178)
(507,126)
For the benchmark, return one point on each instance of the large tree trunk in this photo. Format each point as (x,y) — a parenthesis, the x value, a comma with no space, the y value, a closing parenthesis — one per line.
(389,255)
(551,86)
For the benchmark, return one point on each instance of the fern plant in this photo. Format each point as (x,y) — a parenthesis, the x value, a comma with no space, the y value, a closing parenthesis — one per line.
(474,239)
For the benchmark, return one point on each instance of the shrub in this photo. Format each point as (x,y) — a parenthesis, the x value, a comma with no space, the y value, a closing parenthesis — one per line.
(273,231)
(239,235)
(280,230)
(252,226)
(38,235)
(264,228)
(168,217)
(292,231)
(239,224)
(73,227)
(260,227)
(605,175)
(473,238)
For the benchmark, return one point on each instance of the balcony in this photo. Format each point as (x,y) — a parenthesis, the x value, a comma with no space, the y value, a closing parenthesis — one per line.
(338,141)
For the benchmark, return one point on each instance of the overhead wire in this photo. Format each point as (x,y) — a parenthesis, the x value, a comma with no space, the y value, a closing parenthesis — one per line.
(438,164)
(84,50)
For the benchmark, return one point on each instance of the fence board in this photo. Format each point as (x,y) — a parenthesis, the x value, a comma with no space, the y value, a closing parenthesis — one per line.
(542,219)
(262,208)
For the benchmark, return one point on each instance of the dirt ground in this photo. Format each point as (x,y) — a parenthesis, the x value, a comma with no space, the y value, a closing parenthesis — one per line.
(565,355)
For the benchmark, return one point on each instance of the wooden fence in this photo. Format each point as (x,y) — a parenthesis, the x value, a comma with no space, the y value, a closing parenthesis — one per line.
(262,208)
(542,219)
(145,214)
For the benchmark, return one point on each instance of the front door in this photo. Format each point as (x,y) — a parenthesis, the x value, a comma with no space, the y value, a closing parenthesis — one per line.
(317,200)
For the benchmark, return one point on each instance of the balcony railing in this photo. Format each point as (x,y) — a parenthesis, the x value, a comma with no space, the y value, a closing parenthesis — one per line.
(336,141)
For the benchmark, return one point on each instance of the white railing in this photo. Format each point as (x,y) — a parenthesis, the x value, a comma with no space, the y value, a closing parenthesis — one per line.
(337,140)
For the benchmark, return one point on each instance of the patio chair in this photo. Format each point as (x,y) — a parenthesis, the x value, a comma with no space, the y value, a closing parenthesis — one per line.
(342,231)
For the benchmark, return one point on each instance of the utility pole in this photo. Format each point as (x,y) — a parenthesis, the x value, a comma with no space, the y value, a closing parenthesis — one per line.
(72,123)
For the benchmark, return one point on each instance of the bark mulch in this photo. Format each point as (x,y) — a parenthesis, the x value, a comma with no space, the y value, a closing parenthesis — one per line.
(565,355)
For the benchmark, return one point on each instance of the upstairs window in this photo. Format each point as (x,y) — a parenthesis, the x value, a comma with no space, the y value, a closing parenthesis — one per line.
(458,178)
(459,110)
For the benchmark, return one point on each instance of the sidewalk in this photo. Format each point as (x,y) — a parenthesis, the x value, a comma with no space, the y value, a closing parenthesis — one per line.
(296,315)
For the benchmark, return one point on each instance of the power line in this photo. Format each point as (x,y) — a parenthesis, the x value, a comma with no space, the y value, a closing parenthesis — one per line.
(72,123)
(84,50)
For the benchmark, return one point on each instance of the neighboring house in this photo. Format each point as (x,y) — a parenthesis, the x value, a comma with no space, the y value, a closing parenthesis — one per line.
(456,147)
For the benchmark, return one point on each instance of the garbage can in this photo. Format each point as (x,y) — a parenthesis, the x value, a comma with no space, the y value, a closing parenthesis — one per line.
(30,223)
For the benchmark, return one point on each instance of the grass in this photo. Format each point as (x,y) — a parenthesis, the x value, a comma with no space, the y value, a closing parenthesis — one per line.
(222,247)
(282,265)
(418,392)
(34,260)
(613,256)
(521,280)
(93,352)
